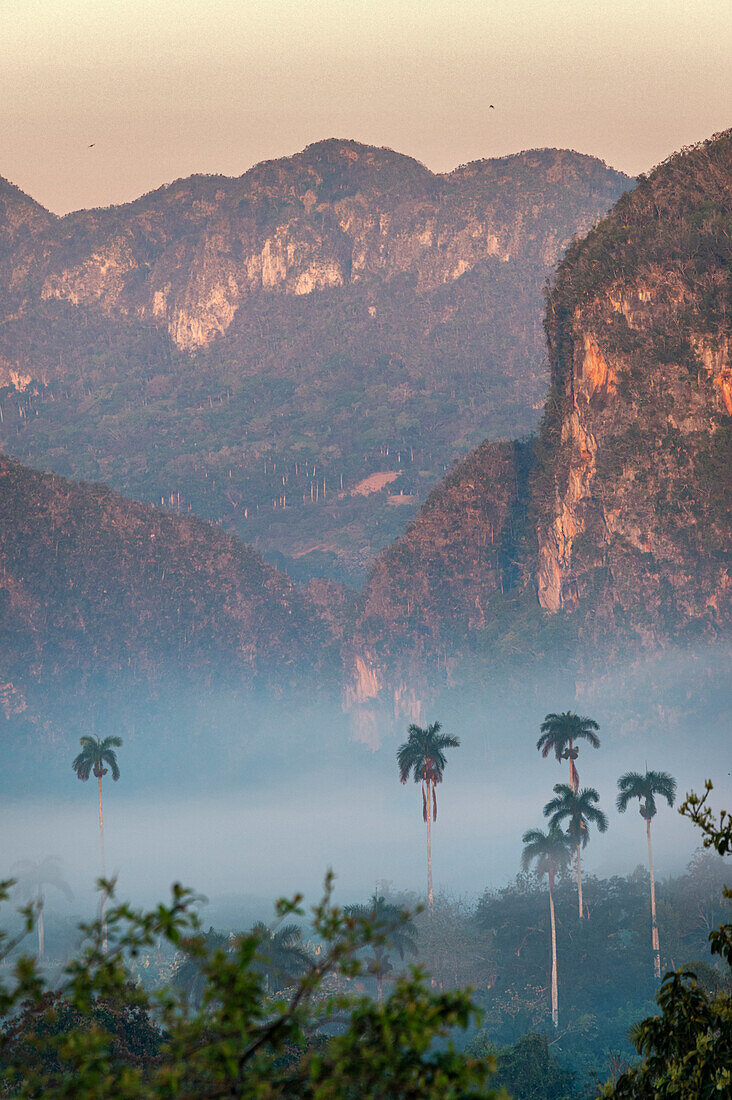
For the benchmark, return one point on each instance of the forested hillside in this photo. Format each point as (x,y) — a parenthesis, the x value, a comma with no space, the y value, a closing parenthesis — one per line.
(253,350)
(104,598)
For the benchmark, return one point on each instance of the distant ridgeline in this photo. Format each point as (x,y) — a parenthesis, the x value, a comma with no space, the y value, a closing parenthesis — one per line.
(252,350)
(601,540)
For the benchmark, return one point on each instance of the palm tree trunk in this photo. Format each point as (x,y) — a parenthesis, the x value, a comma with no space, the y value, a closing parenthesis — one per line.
(41,934)
(104,872)
(579,882)
(654,925)
(101,823)
(430,896)
(555,984)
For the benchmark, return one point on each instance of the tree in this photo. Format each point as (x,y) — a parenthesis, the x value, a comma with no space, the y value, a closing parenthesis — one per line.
(578,809)
(92,758)
(423,755)
(189,976)
(687,1049)
(392,933)
(645,788)
(281,955)
(32,877)
(550,853)
(559,732)
(240,1044)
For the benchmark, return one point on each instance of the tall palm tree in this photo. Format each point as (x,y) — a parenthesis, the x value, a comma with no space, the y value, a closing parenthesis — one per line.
(281,954)
(32,878)
(579,810)
(189,975)
(559,732)
(645,788)
(423,755)
(94,754)
(396,932)
(551,853)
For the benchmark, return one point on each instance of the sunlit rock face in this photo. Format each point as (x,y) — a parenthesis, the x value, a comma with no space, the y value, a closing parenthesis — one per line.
(345,300)
(188,256)
(639,346)
(615,521)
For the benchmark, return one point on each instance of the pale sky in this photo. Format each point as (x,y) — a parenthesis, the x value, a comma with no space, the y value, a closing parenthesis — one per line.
(165,88)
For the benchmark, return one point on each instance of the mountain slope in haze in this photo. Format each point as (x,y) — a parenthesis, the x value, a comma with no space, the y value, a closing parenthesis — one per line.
(101,597)
(616,535)
(256,349)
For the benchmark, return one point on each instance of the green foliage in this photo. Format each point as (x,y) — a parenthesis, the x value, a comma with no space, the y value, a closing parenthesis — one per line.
(578,809)
(645,788)
(423,754)
(94,754)
(687,1049)
(528,1069)
(98,1036)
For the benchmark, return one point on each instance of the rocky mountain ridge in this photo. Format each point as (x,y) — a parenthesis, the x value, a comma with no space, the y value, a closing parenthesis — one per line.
(340,313)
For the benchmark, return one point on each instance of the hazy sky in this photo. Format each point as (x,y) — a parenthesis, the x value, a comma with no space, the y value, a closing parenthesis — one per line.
(164,88)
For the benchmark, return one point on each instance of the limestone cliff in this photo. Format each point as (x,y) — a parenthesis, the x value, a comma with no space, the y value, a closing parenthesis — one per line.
(633,520)
(618,515)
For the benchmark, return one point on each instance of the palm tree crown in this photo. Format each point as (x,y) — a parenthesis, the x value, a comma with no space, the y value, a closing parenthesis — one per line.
(423,754)
(32,877)
(387,920)
(559,734)
(645,788)
(579,810)
(550,851)
(94,755)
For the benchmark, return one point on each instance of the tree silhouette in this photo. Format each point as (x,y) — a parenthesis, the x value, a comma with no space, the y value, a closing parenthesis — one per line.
(550,852)
(281,955)
(645,788)
(559,732)
(423,755)
(191,975)
(280,958)
(393,930)
(579,810)
(31,879)
(94,754)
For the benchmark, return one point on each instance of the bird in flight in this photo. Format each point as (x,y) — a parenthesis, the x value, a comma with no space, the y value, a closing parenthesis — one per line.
(92,145)
(492,107)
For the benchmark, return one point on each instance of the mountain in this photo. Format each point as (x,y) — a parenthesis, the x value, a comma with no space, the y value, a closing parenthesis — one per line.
(299,353)
(102,598)
(606,537)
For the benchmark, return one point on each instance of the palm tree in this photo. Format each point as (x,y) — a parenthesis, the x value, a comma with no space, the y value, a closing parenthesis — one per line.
(559,732)
(281,954)
(645,788)
(92,758)
(189,975)
(423,755)
(32,878)
(551,853)
(395,931)
(578,808)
